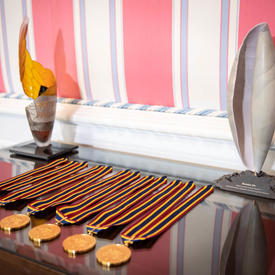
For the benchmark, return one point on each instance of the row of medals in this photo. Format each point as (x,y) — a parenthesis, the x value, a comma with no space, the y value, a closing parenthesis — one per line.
(109,255)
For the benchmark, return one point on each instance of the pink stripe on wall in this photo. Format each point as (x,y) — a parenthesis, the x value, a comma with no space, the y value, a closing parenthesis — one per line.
(253,12)
(54,42)
(147,27)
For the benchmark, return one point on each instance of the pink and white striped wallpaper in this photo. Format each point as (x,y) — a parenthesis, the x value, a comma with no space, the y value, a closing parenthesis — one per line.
(158,52)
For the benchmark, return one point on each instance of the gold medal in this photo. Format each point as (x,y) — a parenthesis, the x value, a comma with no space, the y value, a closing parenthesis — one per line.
(78,243)
(113,254)
(44,232)
(14,222)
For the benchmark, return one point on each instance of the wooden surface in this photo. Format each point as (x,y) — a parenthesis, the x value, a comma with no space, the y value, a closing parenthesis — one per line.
(13,264)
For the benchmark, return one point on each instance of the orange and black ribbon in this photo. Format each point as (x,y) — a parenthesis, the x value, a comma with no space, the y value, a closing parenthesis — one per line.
(35,173)
(131,208)
(73,192)
(101,200)
(162,217)
(48,185)
(114,183)
(26,182)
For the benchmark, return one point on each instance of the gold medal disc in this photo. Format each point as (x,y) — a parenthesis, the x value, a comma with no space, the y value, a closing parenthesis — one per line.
(14,222)
(44,232)
(78,243)
(113,254)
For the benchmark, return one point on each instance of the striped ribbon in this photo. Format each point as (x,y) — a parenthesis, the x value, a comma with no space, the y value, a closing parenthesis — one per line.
(71,193)
(48,185)
(61,169)
(125,204)
(115,217)
(162,217)
(84,191)
(100,200)
(32,172)
(117,181)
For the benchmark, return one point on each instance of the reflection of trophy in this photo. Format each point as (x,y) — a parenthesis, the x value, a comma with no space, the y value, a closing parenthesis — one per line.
(245,248)
(38,83)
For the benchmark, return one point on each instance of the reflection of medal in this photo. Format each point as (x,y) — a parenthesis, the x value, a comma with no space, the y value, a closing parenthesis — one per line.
(14,222)
(44,232)
(113,254)
(78,243)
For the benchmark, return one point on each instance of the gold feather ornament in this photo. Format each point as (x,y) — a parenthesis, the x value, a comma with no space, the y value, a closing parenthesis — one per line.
(39,84)
(36,80)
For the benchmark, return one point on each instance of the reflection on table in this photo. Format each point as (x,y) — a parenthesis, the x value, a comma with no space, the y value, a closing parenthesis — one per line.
(191,246)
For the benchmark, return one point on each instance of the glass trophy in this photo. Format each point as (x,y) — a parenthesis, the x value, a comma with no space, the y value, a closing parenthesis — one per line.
(38,83)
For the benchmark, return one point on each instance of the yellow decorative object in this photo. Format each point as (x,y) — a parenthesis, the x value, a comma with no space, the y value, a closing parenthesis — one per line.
(36,80)
(38,83)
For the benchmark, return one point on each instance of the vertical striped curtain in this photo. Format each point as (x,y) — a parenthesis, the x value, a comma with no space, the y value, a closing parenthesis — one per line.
(158,52)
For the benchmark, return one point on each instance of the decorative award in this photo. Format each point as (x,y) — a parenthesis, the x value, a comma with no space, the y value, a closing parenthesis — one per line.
(251,112)
(113,255)
(78,243)
(14,222)
(38,83)
(43,233)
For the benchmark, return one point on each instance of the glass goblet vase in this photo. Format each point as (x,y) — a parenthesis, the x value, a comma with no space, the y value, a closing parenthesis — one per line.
(41,115)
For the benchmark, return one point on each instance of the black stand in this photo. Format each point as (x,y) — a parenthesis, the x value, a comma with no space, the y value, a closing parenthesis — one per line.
(246,182)
(54,150)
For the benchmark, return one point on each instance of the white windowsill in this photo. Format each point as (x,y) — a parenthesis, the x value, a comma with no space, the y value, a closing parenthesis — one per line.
(187,138)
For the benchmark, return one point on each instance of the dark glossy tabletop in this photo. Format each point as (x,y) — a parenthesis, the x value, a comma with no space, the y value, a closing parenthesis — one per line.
(191,246)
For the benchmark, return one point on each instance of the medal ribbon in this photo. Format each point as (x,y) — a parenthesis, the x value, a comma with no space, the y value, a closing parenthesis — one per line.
(71,193)
(116,210)
(32,172)
(117,181)
(83,191)
(109,217)
(162,217)
(48,185)
(17,185)
(100,200)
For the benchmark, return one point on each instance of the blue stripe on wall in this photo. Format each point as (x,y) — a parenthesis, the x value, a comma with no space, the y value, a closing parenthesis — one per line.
(84,48)
(113,49)
(5,44)
(184,39)
(223,53)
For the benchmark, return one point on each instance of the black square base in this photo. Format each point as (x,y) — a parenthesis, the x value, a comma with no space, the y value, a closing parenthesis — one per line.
(54,150)
(246,182)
